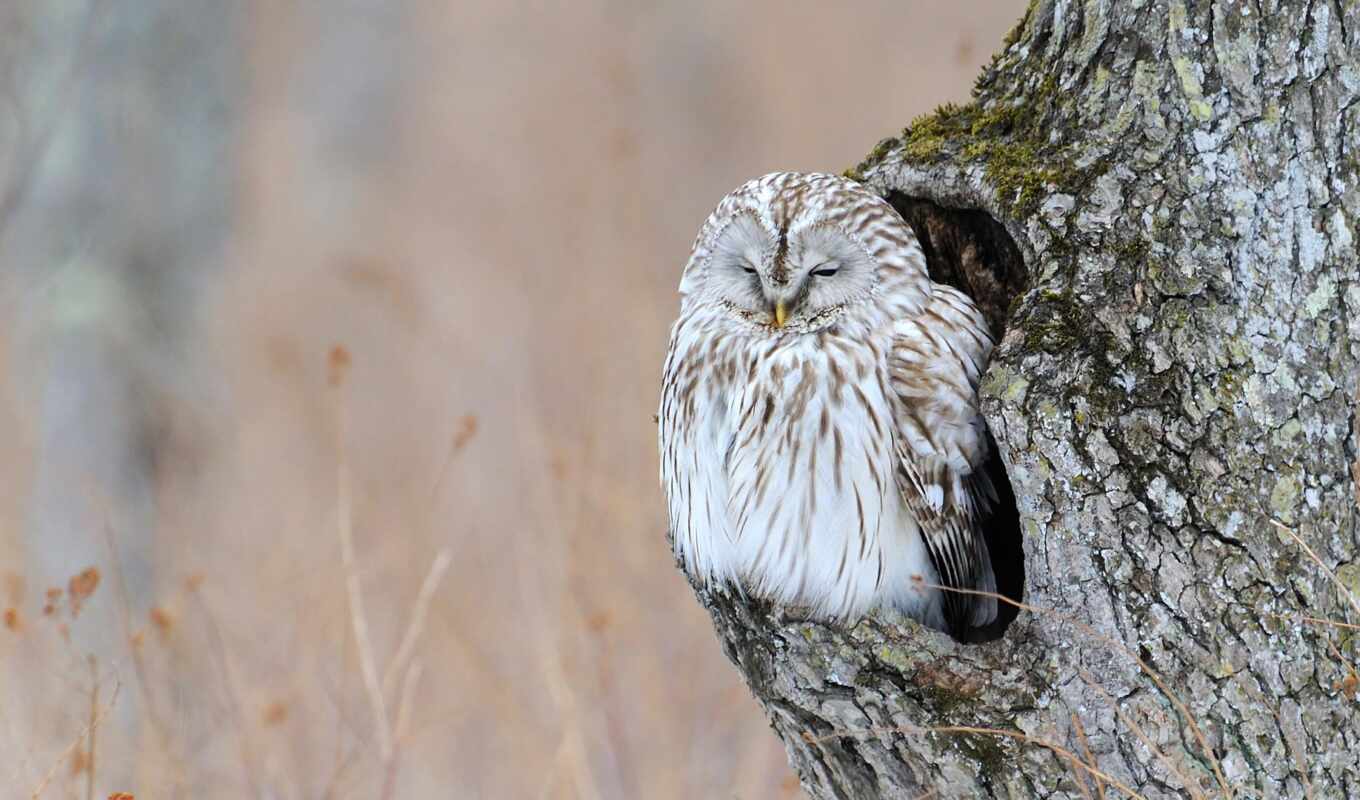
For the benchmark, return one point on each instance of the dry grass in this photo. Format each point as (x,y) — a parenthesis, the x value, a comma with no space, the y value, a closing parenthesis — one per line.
(388,731)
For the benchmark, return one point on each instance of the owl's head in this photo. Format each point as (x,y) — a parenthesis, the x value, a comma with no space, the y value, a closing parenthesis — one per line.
(796,252)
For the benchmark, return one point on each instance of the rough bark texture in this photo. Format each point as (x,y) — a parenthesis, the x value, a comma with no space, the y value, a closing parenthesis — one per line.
(1176,387)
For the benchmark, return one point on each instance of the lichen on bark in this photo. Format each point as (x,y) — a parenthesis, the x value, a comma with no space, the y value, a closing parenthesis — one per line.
(1174,399)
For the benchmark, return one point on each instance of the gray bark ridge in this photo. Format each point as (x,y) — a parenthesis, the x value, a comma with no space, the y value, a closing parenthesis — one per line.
(1174,399)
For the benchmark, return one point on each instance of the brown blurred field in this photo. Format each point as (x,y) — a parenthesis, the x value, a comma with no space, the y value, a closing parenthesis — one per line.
(487,206)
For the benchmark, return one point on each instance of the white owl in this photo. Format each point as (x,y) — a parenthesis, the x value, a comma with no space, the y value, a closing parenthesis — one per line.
(821,443)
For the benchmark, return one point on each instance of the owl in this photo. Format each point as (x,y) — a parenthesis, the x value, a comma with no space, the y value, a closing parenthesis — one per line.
(820,438)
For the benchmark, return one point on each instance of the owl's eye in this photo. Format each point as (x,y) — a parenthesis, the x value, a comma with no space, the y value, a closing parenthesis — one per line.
(826,270)
(749,270)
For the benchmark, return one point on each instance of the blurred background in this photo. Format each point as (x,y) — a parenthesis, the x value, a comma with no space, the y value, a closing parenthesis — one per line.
(487,206)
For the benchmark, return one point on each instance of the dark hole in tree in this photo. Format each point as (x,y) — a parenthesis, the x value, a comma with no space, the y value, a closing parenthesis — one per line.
(971,251)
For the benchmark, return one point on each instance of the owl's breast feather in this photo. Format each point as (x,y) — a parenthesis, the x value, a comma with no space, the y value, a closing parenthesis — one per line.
(812,508)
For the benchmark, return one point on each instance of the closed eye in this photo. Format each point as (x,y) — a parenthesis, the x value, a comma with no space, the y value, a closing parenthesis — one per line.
(749,270)
(826,270)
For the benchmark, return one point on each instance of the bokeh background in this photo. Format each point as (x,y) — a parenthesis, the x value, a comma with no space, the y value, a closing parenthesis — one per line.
(487,206)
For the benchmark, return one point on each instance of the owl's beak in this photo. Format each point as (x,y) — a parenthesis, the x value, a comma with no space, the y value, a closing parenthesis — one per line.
(781,313)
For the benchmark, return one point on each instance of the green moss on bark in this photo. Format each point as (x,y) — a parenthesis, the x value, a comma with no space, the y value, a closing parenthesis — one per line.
(1008,139)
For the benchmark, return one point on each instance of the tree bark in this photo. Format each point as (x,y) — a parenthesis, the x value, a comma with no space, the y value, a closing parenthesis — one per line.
(1174,399)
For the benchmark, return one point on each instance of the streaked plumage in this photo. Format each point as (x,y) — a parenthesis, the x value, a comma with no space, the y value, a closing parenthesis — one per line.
(834,461)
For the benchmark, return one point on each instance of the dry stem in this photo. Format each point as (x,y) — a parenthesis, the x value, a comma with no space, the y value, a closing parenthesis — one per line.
(418,613)
(368,667)
(1133,725)
(94,715)
(1086,750)
(1315,621)
(1345,592)
(222,661)
(85,733)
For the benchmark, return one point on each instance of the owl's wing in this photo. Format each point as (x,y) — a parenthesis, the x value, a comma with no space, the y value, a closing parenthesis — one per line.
(934,366)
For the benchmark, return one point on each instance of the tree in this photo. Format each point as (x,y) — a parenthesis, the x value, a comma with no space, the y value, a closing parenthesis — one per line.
(1157,202)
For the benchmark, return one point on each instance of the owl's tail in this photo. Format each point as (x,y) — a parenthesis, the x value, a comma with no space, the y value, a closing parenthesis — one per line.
(984,608)
(1000,552)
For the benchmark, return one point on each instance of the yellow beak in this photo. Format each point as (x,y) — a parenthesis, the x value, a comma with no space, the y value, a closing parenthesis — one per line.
(781,313)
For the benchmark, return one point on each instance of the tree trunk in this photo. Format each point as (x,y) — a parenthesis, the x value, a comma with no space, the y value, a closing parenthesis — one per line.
(1157,201)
